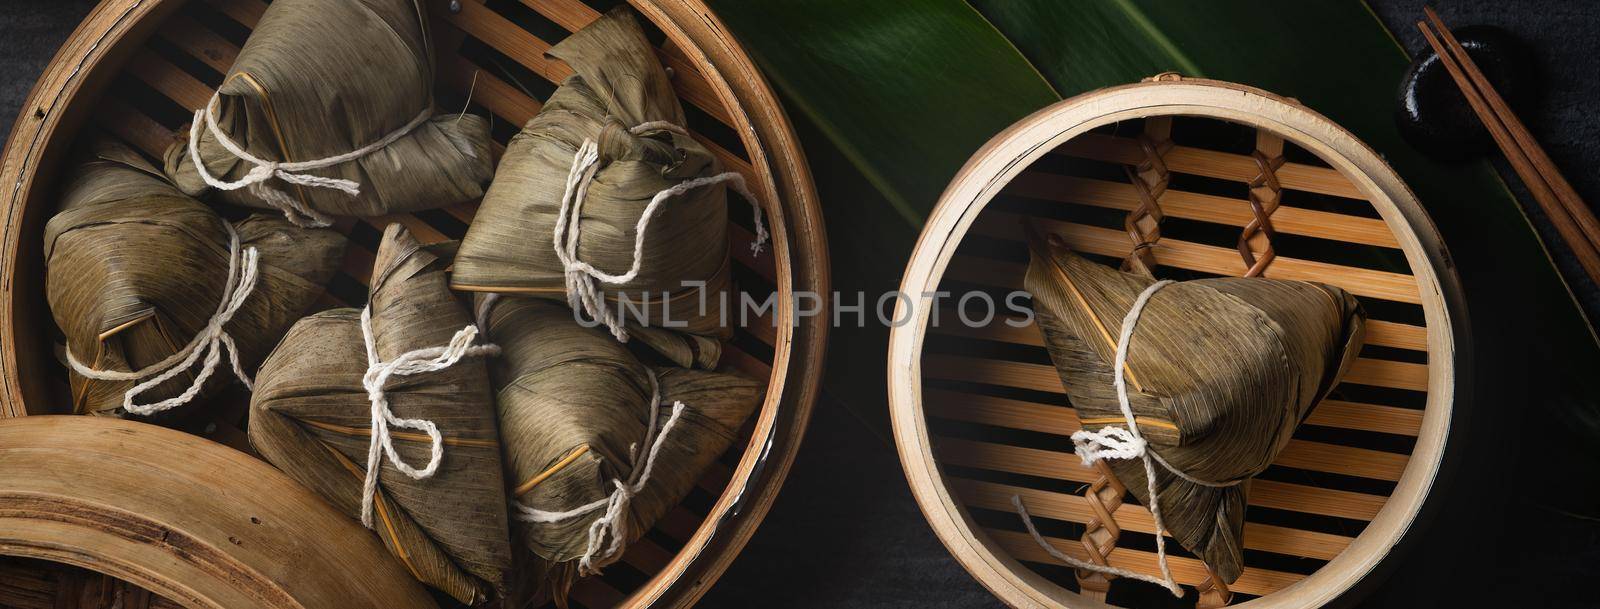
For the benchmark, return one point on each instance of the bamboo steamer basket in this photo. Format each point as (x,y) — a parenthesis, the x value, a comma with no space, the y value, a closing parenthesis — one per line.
(194,521)
(979,414)
(136,69)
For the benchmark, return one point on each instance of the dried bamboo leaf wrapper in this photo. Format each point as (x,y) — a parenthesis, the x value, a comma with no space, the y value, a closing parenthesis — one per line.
(1220,373)
(135,269)
(618,86)
(322,78)
(575,405)
(312,418)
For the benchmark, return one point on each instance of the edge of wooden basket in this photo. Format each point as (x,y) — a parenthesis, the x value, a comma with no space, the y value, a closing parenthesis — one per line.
(59,103)
(186,518)
(1014,150)
(802,342)
(61,100)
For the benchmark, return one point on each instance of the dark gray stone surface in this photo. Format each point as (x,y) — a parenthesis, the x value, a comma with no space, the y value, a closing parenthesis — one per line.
(30,33)
(845,532)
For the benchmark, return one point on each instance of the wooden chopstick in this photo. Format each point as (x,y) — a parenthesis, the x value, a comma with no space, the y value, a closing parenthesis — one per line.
(1558,183)
(1573,220)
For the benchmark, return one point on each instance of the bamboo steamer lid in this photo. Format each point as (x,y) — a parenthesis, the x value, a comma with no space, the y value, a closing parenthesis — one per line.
(979,414)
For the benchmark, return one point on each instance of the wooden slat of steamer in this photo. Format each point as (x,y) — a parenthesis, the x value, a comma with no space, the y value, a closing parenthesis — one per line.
(500,97)
(133,127)
(1366,417)
(1330,413)
(1064,421)
(514,106)
(574,15)
(1299,454)
(1007,275)
(1020,331)
(1364,371)
(648,557)
(1211,164)
(739,241)
(201,43)
(168,79)
(1048,418)
(246,12)
(1205,258)
(1187,571)
(1397,335)
(1007,330)
(1134,517)
(595,593)
(523,47)
(571,16)
(26,586)
(1043,377)
(1203,207)
(736,359)
(1066,466)
(679,523)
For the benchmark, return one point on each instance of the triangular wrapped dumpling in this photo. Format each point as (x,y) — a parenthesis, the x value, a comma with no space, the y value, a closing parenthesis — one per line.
(312,418)
(1220,372)
(323,78)
(575,411)
(621,99)
(136,269)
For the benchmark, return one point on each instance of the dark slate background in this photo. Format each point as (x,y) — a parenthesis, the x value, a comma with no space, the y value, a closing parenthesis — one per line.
(845,532)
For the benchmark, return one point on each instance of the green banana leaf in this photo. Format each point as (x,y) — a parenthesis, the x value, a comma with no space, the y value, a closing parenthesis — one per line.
(889,97)
(905,90)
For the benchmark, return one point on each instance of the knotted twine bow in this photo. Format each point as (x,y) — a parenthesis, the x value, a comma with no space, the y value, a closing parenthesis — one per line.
(211,340)
(263,170)
(582,290)
(608,532)
(1123,443)
(379,372)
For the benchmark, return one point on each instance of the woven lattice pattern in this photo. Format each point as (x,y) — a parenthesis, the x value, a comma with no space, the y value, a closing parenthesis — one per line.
(1183,198)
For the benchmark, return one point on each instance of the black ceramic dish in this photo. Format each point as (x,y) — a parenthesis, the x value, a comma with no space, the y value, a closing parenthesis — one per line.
(1434,116)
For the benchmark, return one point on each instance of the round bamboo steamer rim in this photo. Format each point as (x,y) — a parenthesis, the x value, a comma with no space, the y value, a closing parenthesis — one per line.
(66,98)
(1014,150)
(108,495)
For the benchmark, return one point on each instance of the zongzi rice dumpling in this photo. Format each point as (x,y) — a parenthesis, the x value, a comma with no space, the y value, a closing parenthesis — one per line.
(153,290)
(605,200)
(1217,374)
(598,445)
(353,403)
(329,110)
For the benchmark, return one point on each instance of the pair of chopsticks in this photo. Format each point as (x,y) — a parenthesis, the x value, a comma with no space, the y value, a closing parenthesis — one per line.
(1571,217)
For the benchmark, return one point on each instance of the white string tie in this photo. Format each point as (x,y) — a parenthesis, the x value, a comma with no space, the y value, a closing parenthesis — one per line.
(582,278)
(211,341)
(1124,443)
(609,532)
(1108,443)
(263,170)
(409,363)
